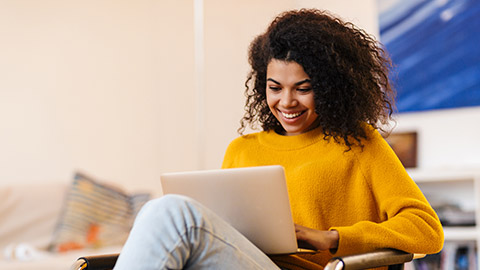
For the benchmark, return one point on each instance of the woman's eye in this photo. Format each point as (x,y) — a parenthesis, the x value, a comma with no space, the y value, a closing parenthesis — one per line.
(307,89)
(274,88)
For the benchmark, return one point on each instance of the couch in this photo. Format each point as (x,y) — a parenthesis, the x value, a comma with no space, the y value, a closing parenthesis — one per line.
(30,219)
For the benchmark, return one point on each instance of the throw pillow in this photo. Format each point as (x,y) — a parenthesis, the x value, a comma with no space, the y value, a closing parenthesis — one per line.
(95,215)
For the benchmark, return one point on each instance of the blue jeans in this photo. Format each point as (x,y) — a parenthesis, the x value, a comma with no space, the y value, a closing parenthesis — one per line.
(176,232)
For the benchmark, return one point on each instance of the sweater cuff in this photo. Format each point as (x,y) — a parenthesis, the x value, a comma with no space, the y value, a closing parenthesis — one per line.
(351,241)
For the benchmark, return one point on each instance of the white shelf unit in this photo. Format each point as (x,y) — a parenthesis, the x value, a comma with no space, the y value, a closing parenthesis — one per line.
(461,187)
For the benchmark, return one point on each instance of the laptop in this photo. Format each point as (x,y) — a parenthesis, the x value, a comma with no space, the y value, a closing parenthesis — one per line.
(254,200)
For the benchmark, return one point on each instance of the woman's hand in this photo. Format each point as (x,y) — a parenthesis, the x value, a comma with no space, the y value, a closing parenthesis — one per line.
(320,240)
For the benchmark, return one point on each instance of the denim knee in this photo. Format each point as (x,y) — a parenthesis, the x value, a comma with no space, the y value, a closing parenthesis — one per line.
(167,203)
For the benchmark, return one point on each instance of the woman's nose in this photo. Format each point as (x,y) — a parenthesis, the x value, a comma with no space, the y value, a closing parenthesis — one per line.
(288,99)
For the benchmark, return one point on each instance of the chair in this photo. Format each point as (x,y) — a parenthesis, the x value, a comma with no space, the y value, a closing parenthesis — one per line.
(394,259)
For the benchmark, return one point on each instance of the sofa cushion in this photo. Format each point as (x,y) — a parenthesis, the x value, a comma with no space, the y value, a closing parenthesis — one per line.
(95,215)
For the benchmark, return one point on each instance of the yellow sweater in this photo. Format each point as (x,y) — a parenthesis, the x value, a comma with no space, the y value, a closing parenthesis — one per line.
(366,195)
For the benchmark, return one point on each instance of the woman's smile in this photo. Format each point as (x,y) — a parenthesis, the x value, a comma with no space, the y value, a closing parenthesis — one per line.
(291,115)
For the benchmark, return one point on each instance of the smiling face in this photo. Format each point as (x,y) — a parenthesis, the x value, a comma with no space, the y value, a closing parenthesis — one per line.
(290,96)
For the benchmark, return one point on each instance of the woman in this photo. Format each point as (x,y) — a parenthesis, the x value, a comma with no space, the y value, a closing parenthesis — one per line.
(319,88)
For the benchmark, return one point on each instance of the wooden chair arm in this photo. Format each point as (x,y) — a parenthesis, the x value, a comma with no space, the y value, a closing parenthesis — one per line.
(360,261)
(384,257)
(97,262)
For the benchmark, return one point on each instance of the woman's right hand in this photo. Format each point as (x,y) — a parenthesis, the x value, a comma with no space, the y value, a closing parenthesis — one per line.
(320,240)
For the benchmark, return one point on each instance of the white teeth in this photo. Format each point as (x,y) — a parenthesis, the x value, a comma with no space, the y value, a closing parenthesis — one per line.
(291,115)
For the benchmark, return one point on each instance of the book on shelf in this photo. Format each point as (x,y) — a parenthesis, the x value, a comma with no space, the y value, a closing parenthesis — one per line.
(454,255)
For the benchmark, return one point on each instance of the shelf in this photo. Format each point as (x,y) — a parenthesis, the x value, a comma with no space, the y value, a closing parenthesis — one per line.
(461,233)
(458,187)
(424,175)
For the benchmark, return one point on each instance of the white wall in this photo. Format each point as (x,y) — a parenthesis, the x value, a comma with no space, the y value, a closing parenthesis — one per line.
(101,86)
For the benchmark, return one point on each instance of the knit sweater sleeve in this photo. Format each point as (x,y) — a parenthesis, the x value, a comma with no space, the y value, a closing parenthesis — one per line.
(409,222)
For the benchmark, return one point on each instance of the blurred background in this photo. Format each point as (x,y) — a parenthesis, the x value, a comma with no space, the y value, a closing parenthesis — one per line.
(127,90)
(124,91)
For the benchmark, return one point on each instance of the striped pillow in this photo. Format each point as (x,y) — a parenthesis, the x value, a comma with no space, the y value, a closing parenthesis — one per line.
(95,215)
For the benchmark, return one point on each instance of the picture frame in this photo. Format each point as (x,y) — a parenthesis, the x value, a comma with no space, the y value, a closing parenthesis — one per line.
(404,144)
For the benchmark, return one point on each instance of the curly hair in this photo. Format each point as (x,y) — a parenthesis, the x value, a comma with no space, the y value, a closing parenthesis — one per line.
(349,73)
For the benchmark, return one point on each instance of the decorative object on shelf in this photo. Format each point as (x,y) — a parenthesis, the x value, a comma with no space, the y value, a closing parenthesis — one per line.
(453,215)
(404,144)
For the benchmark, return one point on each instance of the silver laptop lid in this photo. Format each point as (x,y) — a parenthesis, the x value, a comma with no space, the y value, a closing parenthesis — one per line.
(254,200)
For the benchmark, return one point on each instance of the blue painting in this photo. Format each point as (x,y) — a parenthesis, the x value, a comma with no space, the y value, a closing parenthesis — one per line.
(435,48)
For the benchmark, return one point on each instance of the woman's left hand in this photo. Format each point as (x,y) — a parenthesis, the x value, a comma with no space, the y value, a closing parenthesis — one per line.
(321,240)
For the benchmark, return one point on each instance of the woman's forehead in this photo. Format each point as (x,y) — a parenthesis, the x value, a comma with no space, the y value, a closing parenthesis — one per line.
(285,72)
